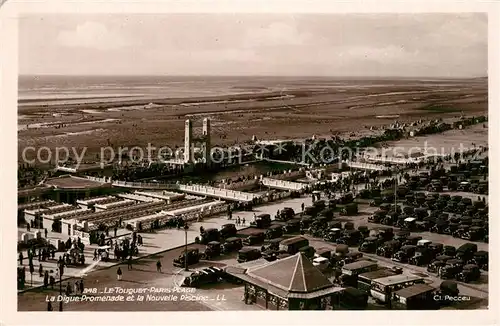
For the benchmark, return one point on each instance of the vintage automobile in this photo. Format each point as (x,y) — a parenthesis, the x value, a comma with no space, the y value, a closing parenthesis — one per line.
(386,207)
(305,222)
(437,263)
(232,244)
(404,254)
(475,233)
(469,273)
(292,245)
(286,214)
(254,238)
(420,213)
(440,226)
(350,238)
(333,235)
(310,211)
(349,209)
(350,257)
(274,231)
(409,200)
(193,257)
(376,201)
(449,251)
(436,248)
(388,248)
(292,226)
(323,252)
(262,221)
(452,227)
(390,219)
(377,217)
(410,223)
(248,254)
(365,231)
(461,230)
(451,269)
(401,235)
(412,240)
(481,259)
(209,235)
(422,256)
(423,226)
(272,244)
(213,249)
(466,251)
(341,250)
(447,289)
(385,233)
(369,245)
(202,277)
(328,213)
(228,230)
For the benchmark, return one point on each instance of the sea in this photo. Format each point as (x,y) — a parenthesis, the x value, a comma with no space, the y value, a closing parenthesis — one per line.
(51,89)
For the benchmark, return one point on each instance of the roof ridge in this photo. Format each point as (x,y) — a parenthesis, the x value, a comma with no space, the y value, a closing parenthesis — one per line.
(294,273)
(301,258)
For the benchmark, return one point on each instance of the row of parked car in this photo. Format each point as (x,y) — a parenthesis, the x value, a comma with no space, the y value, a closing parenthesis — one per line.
(447,261)
(471,224)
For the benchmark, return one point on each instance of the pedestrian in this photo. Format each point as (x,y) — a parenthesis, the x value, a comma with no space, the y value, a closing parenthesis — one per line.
(115,230)
(49,306)
(158,266)
(302,206)
(39,254)
(95,254)
(21,258)
(46,232)
(82,287)
(119,274)
(46,279)
(129,263)
(243,221)
(76,287)
(40,270)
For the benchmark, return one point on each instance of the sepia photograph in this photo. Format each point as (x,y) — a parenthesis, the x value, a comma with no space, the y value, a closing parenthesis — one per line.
(252,162)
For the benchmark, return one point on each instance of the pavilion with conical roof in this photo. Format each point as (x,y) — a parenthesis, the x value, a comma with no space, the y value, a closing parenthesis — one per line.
(292,283)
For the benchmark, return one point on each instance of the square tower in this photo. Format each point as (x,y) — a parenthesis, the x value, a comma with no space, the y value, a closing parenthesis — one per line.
(188,136)
(206,136)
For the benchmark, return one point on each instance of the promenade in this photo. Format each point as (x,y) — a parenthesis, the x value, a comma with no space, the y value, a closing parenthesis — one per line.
(158,241)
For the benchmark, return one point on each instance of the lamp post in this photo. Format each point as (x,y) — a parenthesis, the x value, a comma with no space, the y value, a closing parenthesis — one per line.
(61,271)
(186,227)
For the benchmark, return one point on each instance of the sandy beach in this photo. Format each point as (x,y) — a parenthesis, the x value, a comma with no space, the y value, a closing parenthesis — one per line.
(302,110)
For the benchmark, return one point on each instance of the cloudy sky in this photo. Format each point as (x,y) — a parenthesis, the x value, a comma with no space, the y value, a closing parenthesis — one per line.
(432,45)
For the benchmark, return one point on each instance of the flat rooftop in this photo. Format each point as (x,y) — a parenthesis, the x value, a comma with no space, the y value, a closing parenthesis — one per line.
(71,182)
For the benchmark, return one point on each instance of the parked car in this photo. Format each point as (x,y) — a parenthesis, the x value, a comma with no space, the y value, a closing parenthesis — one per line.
(405,253)
(232,244)
(254,238)
(262,221)
(469,273)
(228,230)
(451,269)
(437,263)
(248,254)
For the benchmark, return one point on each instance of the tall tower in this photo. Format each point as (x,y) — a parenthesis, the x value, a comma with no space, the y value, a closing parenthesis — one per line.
(188,136)
(206,135)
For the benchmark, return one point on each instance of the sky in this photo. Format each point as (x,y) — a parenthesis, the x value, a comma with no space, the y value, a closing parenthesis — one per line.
(405,45)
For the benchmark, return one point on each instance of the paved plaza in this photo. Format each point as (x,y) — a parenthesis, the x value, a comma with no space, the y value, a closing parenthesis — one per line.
(158,241)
